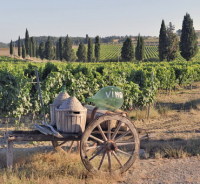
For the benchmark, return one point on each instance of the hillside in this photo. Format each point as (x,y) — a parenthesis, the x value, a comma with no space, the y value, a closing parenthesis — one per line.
(3,45)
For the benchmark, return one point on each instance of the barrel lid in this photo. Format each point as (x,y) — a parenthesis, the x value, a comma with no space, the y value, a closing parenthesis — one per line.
(60,98)
(73,104)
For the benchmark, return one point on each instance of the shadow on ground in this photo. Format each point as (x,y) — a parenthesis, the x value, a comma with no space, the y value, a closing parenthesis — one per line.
(193,104)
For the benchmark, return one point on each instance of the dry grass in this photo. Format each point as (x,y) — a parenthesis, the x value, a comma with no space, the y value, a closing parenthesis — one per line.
(50,168)
(174,124)
(173,148)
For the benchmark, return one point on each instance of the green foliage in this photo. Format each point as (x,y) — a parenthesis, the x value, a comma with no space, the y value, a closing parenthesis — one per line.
(97,48)
(32,47)
(8,91)
(14,94)
(139,82)
(36,50)
(23,51)
(60,48)
(162,48)
(86,39)
(67,49)
(19,46)
(49,67)
(188,40)
(41,50)
(48,52)
(11,47)
(127,52)
(139,50)
(81,52)
(57,51)
(172,43)
(90,50)
(27,42)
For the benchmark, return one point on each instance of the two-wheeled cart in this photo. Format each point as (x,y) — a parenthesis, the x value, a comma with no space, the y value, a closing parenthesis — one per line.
(110,143)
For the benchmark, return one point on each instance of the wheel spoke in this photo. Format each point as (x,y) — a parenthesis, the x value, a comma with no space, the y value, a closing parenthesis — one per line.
(92,147)
(125,143)
(102,133)
(123,135)
(109,131)
(70,148)
(63,143)
(109,161)
(102,159)
(116,130)
(97,153)
(97,139)
(123,152)
(115,155)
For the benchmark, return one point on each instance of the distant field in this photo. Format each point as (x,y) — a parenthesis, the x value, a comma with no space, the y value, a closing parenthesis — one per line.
(6,51)
(112,52)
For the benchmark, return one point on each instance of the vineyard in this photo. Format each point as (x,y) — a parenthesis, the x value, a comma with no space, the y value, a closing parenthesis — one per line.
(112,52)
(139,82)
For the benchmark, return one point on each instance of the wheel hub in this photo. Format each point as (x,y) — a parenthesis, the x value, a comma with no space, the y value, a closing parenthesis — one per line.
(110,146)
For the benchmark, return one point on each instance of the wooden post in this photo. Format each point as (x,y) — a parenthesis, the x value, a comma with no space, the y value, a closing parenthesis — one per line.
(9,154)
(148,111)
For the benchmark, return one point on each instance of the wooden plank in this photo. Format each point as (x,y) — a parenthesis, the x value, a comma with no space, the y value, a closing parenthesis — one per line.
(37,136)
(9,154)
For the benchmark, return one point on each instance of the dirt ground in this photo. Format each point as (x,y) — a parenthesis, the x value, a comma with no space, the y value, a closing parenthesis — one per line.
(165,171)
(6,51)
(178,126)
(174,123)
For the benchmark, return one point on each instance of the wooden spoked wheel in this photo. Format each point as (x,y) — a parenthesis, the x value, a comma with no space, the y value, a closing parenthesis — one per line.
(108,148)
(64,146)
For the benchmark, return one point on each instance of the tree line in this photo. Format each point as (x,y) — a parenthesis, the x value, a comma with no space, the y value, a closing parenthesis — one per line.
(169,43)
(168,48)
(62,50)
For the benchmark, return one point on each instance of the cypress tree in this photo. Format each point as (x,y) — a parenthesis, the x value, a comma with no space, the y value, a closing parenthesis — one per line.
(172,43)
(32,47)
(90,50)
(86,39)
(11,47)
(23,51)
(67,49)
(57,51)
(19,46)
(97,48)
(36,50)
(60,48)
(81,52)
(139,50)
(188,39)
(49,49)
(54,52)
(41,50)
(162,48)
(127,51)
(27,42)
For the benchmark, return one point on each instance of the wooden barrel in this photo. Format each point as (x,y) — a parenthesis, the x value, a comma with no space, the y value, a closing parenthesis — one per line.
(52,114)
(71,116)
(56,103)
(71,121)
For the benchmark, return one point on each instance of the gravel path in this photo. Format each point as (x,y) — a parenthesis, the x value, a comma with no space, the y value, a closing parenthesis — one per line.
(165,171)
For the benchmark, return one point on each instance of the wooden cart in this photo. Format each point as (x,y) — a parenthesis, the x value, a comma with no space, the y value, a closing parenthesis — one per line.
(110,143)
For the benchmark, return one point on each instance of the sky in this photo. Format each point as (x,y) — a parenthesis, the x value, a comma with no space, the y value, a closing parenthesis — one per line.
(92,17)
